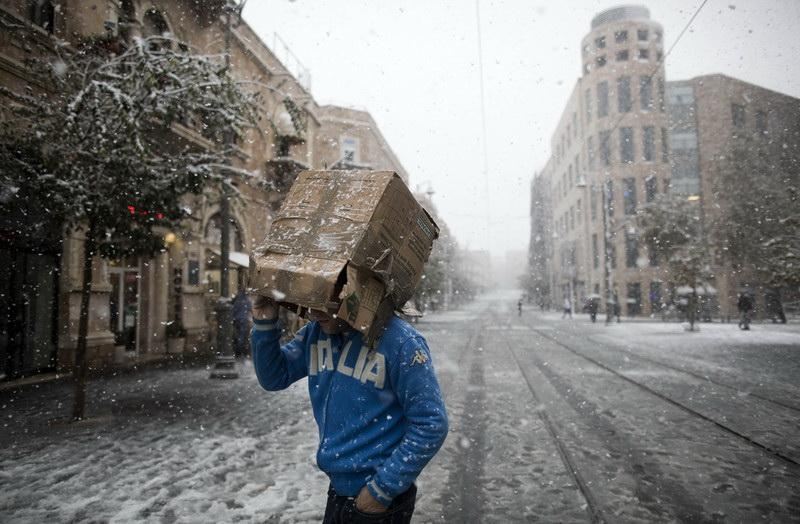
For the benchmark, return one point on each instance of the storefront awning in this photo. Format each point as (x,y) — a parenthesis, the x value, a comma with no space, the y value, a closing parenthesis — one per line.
(701,290)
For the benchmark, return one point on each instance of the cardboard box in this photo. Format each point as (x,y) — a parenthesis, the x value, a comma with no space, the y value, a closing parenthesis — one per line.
(354,242)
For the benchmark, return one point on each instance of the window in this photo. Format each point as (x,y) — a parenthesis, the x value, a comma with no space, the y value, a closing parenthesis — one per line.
(578,212)
(193,267)
(761,122)
(600,61)
(610,197)
(661,94)
(634,298)
(577,165)
(624,94)
(626,149)
(650,188)
(602,99)
(646,93)
(652,253)
(644,54)
(622,56)
(658,36)
(631,249)
(600,42)
(571,180)
(43,14)
(588,97)
(620,36)
(349,149)
(629,195)
(655,296)
(664,145)
(737,112)
(154,24)
(571,218)
(593,204)
(595,252)
(649,143)
(642,34)
(659,56)
(590,152)
(605,147)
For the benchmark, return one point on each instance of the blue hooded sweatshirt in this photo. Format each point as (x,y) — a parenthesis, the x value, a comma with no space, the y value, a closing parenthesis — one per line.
(380,413)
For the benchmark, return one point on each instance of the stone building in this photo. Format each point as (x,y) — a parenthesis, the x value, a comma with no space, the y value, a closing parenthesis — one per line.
(133,300)
(627,135)
(350,139)
(721,126)
(609,156)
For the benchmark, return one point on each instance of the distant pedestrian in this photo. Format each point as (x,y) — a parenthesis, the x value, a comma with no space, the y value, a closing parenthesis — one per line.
(519,307)
(774,306)
(240,311)
(745,306)
(567,308)
(592,306)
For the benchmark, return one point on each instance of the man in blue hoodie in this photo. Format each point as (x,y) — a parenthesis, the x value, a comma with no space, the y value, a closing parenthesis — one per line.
(380,412)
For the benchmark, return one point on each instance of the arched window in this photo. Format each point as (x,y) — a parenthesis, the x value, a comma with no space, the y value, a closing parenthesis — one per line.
(154,24)
(43,14)
(213,234)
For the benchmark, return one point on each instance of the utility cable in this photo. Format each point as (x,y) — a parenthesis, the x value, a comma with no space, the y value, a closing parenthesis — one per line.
(483,121)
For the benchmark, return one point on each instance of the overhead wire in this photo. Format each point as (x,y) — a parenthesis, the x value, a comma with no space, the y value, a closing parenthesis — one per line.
(484,135)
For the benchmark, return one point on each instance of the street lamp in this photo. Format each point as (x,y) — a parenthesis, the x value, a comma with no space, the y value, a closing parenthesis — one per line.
(607,244)
(225,361)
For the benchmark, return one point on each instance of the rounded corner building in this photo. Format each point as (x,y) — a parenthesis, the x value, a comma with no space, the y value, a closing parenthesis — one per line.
(609,156)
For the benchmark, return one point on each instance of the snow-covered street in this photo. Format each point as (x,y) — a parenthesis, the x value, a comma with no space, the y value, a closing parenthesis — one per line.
(551,420)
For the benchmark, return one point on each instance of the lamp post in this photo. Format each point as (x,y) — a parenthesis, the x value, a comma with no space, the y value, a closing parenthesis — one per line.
(225,361)
(607,239)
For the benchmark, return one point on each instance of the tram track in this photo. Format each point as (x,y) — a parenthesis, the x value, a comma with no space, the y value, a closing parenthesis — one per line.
(593,506)
(771,450)
(698,376)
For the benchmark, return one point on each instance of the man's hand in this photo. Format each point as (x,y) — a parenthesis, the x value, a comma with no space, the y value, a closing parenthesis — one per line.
(366,503)
(264,308)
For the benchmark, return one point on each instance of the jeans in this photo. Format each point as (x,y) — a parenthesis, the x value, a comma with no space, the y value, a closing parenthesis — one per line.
(342,510)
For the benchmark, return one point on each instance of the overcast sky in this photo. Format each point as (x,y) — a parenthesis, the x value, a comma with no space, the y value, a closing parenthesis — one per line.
(414,66)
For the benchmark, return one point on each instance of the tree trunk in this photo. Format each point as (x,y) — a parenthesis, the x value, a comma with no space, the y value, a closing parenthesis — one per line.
(81,366)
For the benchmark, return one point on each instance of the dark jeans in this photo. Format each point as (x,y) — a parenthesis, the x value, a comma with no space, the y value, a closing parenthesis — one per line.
(342,510)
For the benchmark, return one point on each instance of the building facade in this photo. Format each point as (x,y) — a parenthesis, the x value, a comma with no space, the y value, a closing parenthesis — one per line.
(725,131)
(350,139)
(625,136)
(132,301)
(609,155)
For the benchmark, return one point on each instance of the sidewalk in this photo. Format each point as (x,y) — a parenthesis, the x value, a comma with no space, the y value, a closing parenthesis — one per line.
(158,445)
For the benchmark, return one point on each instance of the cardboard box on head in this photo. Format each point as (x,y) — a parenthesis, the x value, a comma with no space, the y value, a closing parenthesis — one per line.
(351,241)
